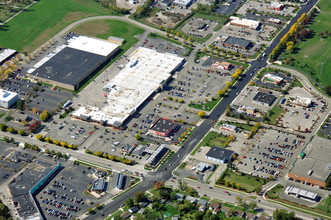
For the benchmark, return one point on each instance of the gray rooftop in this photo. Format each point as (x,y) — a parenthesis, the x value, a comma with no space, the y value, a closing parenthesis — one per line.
(318,154)
(220,153)
(265,98)
(98,184)
(69,66)
(241,42)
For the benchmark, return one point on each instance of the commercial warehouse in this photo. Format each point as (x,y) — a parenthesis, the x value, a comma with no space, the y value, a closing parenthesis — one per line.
(237,42)
(69,66)
(7,98)
(245,23)
(313,167)
(146,73)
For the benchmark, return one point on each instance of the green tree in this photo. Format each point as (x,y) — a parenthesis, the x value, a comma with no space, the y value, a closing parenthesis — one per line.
(183,186)
(139,196)
(281,214)
(252,205)
(129,203)
(20,104)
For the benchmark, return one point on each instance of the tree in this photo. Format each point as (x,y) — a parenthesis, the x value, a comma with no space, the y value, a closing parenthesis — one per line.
(281,214)
(182,185)
(228,84)
(21,132)
(201,114)
(20,104)
(138,137)
(44,115)
(39,137)
(327,89)
(139,196)
(252,205)
(159,185)
(290,48)
(165,194)
(129,203)
(35,110)
(11,130)
(157,206)
(192,192)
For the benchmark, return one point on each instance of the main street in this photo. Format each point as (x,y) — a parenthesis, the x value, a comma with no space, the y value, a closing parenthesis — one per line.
(165,172)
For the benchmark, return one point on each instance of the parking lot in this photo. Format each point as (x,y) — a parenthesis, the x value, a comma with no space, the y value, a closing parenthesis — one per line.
(191,169)
(65,197)
(36,95)
(227,9)
(325,129)
(264,8)
(272,154)
(199,27)
(74,132)
(301,118)
(245,98)
(262,35)
(163,46)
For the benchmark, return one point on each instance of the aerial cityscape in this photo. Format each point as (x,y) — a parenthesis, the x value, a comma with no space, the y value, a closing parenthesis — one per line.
(165,109)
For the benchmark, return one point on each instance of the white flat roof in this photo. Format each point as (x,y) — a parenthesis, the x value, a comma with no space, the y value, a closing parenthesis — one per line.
(6,95)
(273,77)
(6,53)
(137,81)
(300,192)
(93,45)
(251,23)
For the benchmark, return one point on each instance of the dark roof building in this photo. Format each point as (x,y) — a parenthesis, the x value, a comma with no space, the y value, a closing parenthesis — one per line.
(98,185)
(264,98)
(237,42)
(71,65)
(219,154)
(163,127)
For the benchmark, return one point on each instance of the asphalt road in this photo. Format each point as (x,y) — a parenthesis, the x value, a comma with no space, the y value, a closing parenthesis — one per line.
(165,172)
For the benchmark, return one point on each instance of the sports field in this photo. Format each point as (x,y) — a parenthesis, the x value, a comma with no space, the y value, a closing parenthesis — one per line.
(43,20)
(316,51)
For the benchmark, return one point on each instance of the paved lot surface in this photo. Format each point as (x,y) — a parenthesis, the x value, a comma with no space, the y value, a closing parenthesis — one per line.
(65,193)
(326,127)
(272,154)
(245,98)
(37,96)
(301,118)
(199,27)
(264,7)
(228,9)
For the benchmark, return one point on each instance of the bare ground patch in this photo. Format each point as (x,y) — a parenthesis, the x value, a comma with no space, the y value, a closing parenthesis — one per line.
(165,19)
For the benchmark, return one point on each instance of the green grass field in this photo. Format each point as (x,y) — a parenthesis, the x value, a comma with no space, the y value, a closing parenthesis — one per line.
(249,183)
(274,114)
(325,205)
(43,20)
(215,139)
(274,192)
(324,5)
(316,52)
